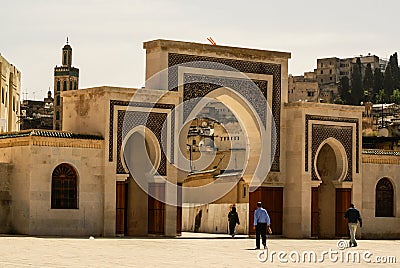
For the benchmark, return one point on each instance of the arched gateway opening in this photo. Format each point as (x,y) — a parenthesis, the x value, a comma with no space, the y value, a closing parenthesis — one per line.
(142,154)
(329,201)
(248,82)
(260,148)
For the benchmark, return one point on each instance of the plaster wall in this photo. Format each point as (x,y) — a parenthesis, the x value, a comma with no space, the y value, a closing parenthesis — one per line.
(376,167)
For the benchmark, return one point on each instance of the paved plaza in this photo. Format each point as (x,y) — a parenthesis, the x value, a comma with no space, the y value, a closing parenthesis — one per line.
(190,250)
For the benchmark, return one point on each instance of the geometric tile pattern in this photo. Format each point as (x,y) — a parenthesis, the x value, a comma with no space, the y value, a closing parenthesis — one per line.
(328,119)
(175,59)
(119,130)
(127,120)
(344,134)
(197,86)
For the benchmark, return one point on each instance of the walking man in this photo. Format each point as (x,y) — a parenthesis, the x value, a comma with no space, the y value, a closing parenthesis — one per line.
(353,216)
(261,223)
(233,219)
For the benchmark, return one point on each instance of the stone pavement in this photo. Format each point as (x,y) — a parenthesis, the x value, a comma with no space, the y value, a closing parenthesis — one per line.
(190,250)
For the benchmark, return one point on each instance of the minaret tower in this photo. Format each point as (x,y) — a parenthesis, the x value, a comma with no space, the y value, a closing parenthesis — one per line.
(66,78)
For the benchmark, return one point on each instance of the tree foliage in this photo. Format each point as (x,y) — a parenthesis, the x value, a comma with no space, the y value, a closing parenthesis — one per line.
(394,68)
(380,97)
(388,84)
(357,91)
(395,97)
(378,82)
(344,91)
(368,83)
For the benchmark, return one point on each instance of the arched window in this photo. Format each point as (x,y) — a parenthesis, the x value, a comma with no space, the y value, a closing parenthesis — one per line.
(64,190)
(58,101)
(65,86)
(384,198)
(70,85)
(76,85)
(58,85)
(57,115)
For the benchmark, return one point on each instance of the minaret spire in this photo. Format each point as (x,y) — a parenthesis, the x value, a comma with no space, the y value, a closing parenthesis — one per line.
(67,39)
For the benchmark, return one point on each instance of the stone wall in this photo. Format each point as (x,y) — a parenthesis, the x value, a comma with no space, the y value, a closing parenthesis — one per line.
(28,184)
(213,218)
(378,164)
(5,197)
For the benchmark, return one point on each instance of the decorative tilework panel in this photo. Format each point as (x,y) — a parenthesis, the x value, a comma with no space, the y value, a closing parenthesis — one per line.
(114,103)
(344,134)
(128,120)
(198,86)
(240,65)
(332,119)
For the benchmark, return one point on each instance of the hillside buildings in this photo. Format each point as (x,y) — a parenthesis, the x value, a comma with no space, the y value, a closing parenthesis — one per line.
(37,114)
(324,80)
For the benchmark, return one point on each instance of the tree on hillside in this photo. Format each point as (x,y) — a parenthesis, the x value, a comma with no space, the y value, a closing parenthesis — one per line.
(378,82)
(357,91)
(394,68)
(380,97)
(388,84)
(344,91)
(395,97)
(368,83)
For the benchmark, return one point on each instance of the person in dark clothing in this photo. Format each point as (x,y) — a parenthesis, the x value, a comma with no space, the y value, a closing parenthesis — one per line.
(353,216)
(233,219)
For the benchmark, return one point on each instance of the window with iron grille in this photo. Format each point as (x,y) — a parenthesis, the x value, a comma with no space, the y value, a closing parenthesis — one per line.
(64,188)
(384,198)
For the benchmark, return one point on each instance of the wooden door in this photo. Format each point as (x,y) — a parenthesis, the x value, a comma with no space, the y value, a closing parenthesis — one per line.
(343,200)
(121,192)
(314,212)
(272,201)
(254,197)
(156,208)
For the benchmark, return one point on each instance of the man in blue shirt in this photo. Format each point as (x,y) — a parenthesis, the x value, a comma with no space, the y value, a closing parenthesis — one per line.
(261,223)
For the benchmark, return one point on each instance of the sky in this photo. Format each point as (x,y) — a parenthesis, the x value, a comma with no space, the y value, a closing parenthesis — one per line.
(107,36)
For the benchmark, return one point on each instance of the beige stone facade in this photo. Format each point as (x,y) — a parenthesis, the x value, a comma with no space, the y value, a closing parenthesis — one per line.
(314,150)
(302,88)
(10,86)
(380,166)
(28,161)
